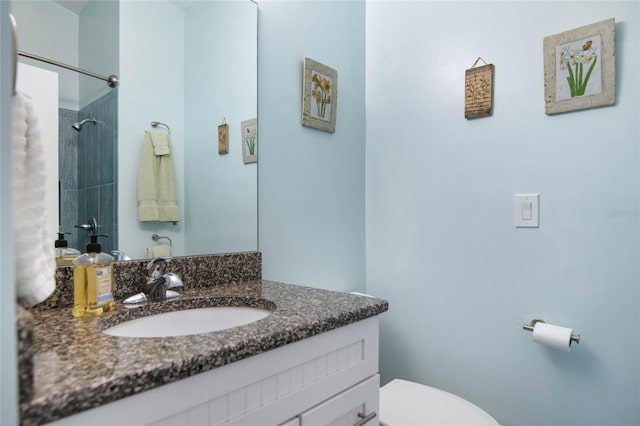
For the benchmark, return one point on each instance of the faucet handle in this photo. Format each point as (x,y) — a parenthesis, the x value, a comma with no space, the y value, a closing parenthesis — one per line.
(156,267)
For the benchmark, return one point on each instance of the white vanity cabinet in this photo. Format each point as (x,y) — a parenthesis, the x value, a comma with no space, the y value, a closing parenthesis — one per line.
(327,379)
(357,405)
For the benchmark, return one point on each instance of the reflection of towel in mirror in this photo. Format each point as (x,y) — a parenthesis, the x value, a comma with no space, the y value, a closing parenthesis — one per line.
(157,194)
(160,142)
(33,248)
(161,250)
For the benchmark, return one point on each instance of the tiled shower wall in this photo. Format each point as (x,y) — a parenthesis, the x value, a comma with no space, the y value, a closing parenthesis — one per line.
(68,175)
(88,172)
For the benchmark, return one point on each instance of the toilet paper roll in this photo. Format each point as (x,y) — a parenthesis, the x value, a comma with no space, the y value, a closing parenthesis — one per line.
(553,336)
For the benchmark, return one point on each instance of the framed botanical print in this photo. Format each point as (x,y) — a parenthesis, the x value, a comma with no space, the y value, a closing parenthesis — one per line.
(319,96)
(580,68)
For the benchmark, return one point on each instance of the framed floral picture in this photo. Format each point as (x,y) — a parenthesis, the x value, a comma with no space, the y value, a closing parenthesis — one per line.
(580,68)
(319,96)
(249,132)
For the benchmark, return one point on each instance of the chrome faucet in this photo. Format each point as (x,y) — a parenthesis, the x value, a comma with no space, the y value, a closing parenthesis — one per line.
(158,283)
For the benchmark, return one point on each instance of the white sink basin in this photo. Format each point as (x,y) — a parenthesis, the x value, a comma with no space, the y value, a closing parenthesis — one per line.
(187,322)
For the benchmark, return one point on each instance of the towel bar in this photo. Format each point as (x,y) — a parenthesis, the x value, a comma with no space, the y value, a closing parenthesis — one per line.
(157,123)
(156,237)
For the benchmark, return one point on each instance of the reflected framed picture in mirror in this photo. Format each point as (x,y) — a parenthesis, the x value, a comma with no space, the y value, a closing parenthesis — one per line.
(249,132)
(223,139)
(319,96)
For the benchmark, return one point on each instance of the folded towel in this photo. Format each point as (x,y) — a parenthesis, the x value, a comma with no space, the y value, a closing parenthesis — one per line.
(157,193)
(34,254)
(161,250)
(160,141)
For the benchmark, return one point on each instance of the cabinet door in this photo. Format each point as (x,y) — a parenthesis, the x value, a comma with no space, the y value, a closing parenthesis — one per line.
(357,405)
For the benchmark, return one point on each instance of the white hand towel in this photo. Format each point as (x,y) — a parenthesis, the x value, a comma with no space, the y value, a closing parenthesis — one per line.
(157,192)
(34,254)
(161,250)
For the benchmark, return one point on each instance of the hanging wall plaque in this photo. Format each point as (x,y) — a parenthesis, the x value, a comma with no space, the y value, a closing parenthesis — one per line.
(478,90)
(223,138)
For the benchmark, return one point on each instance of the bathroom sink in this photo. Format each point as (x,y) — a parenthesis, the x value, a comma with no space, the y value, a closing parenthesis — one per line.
(188,321)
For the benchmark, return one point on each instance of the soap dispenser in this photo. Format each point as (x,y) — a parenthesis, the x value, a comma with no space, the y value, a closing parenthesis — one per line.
(93,281)
(63,253)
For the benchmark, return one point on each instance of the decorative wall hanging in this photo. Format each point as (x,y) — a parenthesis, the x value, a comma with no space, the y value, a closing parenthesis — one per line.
(249,132)
(580,68)
(223,137)
(319,96)
(478,90)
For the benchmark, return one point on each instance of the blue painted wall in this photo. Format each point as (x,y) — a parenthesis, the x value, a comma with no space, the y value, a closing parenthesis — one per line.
(441,242)
(220,50)
(311,183)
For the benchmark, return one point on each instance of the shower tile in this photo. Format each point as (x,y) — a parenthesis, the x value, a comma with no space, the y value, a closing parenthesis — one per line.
(81,236)
(82,155)
(108,138)
(107,210)
(92,198)
(69,207)
(67,149)
(97,168)
(92,141)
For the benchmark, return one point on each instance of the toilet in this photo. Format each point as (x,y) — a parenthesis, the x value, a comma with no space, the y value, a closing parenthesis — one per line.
(405,403)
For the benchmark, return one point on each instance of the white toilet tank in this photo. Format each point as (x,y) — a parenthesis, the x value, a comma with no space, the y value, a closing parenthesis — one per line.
(405,403)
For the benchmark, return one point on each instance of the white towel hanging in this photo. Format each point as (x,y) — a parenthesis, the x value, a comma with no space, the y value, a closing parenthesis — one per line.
(34,254)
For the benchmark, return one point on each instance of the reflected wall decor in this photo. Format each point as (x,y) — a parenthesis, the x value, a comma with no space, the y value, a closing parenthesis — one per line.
(319,96)
(249,132)
(223,138)
(580,68)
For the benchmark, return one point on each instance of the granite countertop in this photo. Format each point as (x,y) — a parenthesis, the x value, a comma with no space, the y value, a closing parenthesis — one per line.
(77,367)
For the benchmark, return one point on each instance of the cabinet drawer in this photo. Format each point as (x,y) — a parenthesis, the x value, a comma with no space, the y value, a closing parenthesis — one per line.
(356,405)
(293,422)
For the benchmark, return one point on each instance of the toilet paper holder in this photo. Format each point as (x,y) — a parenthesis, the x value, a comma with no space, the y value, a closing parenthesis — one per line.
(529,327)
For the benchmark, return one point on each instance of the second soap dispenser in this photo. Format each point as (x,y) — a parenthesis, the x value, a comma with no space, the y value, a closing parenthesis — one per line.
(64,254)
(93,281)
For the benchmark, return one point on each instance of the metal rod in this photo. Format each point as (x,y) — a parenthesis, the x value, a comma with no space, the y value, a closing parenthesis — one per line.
(156,237)
(112,80)
(365,418)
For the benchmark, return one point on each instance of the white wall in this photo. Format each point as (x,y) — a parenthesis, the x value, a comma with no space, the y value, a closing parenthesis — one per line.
(220,83)
(311,183)
(441,242)
(151,89)
(47,29)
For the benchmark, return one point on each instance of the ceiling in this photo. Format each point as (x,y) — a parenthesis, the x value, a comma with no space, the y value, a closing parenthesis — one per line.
(76,5)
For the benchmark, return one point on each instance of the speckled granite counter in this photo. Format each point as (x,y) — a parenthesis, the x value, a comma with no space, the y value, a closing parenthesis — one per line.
(77,367)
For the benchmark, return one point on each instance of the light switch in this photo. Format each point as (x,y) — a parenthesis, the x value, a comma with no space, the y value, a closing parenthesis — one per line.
(527,213)
(527,210)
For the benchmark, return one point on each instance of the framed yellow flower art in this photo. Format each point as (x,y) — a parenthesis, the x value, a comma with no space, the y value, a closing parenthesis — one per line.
(580,68)
(319,96)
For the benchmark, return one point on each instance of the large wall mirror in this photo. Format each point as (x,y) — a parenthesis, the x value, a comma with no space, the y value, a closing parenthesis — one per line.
(191,65)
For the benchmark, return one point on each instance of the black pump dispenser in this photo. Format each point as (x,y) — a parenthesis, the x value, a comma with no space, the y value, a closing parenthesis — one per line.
(61,242)
(94,246)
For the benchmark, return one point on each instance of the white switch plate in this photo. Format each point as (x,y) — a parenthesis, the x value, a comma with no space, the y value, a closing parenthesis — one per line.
(527,210)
